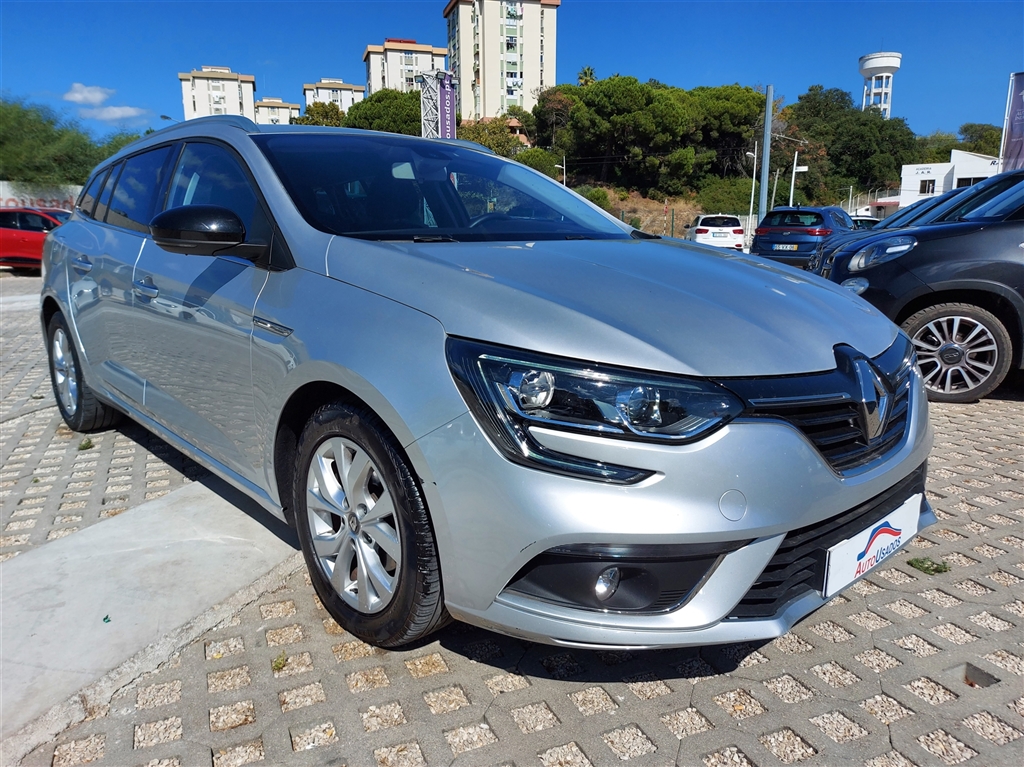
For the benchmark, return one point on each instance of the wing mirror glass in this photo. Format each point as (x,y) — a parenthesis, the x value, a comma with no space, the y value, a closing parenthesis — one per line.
(198,230)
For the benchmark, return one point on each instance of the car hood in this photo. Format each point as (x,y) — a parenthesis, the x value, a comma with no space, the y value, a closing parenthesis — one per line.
(654,305)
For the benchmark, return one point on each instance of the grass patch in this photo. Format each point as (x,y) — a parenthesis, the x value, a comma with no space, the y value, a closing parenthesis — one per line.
(279,662)
(928,566)
(85,444)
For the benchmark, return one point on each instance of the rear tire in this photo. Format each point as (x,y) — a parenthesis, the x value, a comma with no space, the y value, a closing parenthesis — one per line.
(79,406)
(963,351)
(365,530)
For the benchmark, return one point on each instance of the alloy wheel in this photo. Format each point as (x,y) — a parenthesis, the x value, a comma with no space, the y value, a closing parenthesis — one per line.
(955,354)
(353,525)
(65,376)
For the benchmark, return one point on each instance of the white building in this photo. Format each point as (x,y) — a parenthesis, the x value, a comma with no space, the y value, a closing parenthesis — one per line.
(878,69)
(331,89)
(502,52)
(395,64)
(930,179)
(274,111)
(217,91)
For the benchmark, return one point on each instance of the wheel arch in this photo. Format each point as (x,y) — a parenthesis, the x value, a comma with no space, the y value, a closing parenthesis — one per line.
(997,299)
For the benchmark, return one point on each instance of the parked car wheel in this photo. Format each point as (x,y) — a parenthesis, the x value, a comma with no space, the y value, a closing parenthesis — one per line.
(364,529)
(964,352)
(78,404)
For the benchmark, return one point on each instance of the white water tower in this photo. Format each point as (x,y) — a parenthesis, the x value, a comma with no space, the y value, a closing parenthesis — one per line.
(877,70)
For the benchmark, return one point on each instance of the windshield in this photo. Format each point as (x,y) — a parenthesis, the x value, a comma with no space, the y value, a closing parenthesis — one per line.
(719,221)
(916,210)
(60,215)
(384,187)
(792,218)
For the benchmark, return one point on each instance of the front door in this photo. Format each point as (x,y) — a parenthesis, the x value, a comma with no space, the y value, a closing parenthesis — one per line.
(193,318)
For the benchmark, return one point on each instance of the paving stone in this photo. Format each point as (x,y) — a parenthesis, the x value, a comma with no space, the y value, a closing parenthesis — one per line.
(739,704)
(402,755)
(646,686)
(877,660)
(885,709)
(369,679)
(507,683)
(686,722)
(728,757)
(835,675)
(232,715)
(838,727)
(568,755)
(300,697)
(931,691)
(991,728)
(314,737)
(383,717)
(470,737)
(162,731)
(788,689)
(232,679)
(236,756)
(427,666)
(159,694)
(535,717)
(83,751)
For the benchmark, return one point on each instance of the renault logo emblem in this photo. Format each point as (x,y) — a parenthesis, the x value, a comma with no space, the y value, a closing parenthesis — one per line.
(873,399)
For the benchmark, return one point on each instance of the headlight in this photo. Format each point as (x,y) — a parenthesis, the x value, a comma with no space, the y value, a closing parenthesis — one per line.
(880,251)
(510,390)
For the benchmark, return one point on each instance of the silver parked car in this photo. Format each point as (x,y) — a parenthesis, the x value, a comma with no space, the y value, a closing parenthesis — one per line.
(474,394)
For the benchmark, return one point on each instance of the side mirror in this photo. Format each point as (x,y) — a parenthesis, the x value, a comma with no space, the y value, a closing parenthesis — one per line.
(197,230)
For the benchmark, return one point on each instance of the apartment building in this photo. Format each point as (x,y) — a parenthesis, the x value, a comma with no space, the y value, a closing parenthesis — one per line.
(395,64)
(333,89)
(217,91)
(502,52)
(275,111)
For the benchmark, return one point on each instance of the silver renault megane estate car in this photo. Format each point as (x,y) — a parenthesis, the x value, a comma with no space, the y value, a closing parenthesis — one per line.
(476,395)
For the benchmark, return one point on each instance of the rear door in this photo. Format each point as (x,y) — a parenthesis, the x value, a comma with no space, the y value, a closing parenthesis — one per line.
(10,237)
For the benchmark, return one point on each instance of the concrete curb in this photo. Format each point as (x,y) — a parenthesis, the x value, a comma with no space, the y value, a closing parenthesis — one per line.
(92,701)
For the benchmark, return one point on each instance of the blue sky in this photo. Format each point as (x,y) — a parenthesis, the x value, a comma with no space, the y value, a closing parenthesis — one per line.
(114,65)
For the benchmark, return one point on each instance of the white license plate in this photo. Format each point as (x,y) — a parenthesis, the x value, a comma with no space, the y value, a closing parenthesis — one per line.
(849,560)
(719,234)
(783,247)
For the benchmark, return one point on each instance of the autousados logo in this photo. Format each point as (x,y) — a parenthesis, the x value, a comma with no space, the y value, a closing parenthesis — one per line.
(864,561)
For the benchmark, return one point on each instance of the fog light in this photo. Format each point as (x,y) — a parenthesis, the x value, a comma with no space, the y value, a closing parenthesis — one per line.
(607,582)
(857,284)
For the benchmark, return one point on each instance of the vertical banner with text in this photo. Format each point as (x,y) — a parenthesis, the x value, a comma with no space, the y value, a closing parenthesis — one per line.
(1011,152)
(446,107)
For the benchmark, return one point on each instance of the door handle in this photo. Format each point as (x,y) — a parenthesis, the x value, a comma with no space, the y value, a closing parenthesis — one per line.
(81,264)
(144,289)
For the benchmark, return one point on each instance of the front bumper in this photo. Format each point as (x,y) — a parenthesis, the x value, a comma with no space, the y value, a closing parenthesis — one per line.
(492,518)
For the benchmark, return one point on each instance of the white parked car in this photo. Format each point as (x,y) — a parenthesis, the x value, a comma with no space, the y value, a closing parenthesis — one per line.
(719,230)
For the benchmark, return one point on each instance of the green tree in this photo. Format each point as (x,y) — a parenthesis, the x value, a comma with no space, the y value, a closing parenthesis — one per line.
(387,110)
(529,122)
(725,195)
(39,147)
(729,117)
(540,160)
(935,147)
(982,138)
(322,113)
(493,134)
(586,77)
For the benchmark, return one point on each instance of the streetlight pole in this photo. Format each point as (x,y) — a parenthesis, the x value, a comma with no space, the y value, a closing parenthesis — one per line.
(762,205)
(753,183)
(562,168)
(792,180)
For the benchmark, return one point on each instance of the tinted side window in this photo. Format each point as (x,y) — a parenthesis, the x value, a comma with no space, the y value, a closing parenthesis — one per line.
(88,199)
(137,190)
(8,219)
(33,222)
(844,220)
(208,174)
(103,204)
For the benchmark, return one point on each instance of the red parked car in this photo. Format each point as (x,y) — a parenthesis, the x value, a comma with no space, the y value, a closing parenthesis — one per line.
(22,231)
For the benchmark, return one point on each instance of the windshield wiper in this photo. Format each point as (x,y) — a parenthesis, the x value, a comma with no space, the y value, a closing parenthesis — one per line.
(434,238)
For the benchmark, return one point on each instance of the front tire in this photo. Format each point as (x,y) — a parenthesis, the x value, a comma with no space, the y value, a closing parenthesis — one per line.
(364,528)
(963,351)
(79,406)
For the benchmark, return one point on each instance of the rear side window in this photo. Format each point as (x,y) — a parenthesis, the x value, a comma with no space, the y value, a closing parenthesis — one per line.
(8,219)
(103,204)
(727,221)
(88,199)
(843,219)
(137,190)
(793,218)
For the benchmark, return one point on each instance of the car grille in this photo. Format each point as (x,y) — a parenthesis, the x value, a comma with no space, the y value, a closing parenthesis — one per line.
(799,563)
(826,408)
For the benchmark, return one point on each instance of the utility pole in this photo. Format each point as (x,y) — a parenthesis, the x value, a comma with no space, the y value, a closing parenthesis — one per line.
(762,202)
(753,183)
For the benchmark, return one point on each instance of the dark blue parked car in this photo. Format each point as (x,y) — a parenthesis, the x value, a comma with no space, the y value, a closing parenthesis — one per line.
(791,235)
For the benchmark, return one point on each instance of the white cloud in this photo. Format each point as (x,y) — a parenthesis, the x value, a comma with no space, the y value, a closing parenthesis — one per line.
(111,113)
(93,95)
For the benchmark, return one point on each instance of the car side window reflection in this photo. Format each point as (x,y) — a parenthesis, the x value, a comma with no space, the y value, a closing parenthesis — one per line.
(33,222)
(208,174)
(137,190)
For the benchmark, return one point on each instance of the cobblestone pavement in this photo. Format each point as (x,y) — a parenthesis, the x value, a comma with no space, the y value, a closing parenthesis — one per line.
(904,668)
(53,481)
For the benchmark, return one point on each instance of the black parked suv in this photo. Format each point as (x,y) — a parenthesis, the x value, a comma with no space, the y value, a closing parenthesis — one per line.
(791,235)
(956,287)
